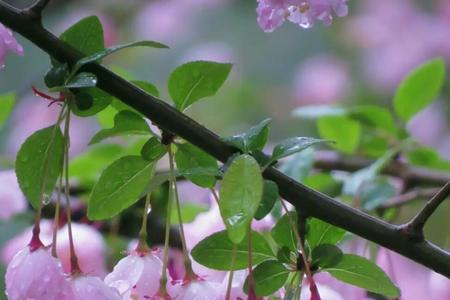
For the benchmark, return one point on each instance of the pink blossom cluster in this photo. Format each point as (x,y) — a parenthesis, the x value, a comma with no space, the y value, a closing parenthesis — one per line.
(8,44)
(273,13)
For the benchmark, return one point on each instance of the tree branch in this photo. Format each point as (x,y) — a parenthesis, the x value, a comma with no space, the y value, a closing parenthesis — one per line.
(35,10)
(415,226)
(311,202)
(330,160)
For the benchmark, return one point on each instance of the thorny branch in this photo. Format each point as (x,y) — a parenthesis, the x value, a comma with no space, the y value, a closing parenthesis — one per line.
(311,202)
(415,226)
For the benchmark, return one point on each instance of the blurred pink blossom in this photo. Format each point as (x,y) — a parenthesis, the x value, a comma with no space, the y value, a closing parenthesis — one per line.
(92,288)
(326,293)
(396,37)
(272,13)
(25,123)
(12,200)
(8,43)
(36,275)
(163,20)
(212,51)
(429,125)
(89,246)
(410,277)
(136,276)
(321,79)
(439,287)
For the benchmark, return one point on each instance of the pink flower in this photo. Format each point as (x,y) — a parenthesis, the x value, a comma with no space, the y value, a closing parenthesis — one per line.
(326,293)
(8,43)
(92,288)
(439,287)
(89,246)
(12,200)
(195,290)
(36,275)
(396,37)
(321,79)
(272,13)
(136,276)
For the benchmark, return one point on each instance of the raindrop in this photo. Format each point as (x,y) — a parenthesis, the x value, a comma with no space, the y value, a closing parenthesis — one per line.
(46,198)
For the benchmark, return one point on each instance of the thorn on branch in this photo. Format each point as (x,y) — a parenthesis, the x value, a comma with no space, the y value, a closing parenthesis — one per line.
(414,228)
(35,10)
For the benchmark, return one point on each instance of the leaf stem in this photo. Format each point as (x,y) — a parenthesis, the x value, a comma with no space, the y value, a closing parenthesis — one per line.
(300,243)
(142,246)
(57,211)
(230,276)
(74,266)
(173,186)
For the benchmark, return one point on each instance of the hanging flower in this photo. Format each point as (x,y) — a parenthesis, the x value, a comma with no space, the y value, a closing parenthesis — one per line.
(272,13)
(136,276)
(8,43)
(195,289)
(92,288)
(36,274)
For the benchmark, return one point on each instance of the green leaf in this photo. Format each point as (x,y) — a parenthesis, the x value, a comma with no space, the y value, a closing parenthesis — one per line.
(253,139)
(98,99)
(429,158)
(343,130)
(374,116)
(146,86)
(153,150)
(7,102)
(86,167)
(374,193)
(320,232)
(196,80)
(189,157)
(299,165)
(215,251)
(353,183)
(189,211)
(358,271)
(119,187)
(156,181)
(419,88)
(125,123)
(284,255)
(324,183)
(110,50)
(293,145)
(57,75)
(283,234)
(318,111)
(269,277)
(44,147)
(326,255)
(270,196)
(240,195)
(86,36)
(81,80)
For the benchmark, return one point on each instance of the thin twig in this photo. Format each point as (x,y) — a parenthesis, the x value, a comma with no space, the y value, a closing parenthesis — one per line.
(415,226)
(331,160)
(407,198)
